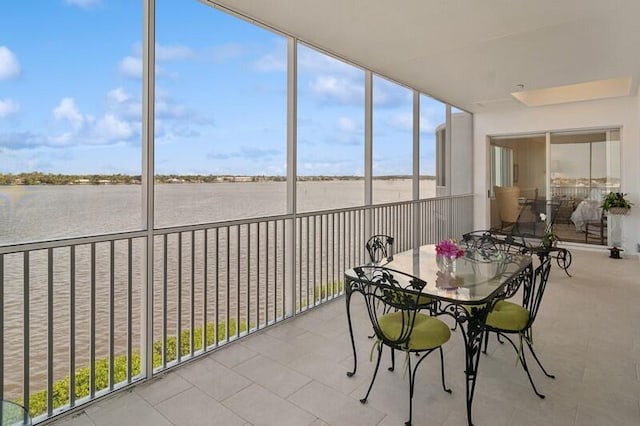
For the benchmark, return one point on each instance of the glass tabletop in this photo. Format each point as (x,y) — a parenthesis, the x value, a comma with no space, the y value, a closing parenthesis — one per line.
(12,414)
(476,278)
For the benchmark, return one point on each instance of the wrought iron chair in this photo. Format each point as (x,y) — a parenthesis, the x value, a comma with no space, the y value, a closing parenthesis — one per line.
(380,248)
(390,297)
(508,318)
(488,240)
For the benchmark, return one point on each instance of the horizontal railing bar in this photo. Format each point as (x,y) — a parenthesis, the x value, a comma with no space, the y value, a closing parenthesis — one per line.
(221,224)
(66,242)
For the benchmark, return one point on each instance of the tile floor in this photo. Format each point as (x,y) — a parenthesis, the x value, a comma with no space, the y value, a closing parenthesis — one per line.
(587,334)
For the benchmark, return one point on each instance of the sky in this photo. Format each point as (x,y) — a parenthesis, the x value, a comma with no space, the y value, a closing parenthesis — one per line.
(71,96)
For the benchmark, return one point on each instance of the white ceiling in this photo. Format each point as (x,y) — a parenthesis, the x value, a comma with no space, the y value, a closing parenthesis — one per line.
(470,53)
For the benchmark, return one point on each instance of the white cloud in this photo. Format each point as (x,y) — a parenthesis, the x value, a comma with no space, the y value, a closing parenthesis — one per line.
(63,139)
(117,124)
(85,4)
(67,110)
(346,124)
(338,89)
(9,65)
(387,94)
(167,108)
(402,121)
(310,60)
(173,53)
(8,107)
(123,104)
(118,95)
(271,62)
(111,128)
(131,67)
(427,125)
(226,51)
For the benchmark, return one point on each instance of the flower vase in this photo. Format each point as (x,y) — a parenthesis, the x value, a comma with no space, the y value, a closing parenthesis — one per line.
(447,265)
(446,276)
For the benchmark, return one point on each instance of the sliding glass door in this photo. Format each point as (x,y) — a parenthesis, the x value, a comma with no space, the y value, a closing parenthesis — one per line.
(583,166)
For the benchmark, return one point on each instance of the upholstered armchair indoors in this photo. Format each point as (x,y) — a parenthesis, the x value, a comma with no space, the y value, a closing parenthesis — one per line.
(507,206)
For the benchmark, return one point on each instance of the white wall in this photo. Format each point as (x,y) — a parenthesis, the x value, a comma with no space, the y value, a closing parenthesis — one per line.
(620,112)
(461,176)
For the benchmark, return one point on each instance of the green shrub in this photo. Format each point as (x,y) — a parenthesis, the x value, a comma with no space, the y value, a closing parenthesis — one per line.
(321,291)
(38,400)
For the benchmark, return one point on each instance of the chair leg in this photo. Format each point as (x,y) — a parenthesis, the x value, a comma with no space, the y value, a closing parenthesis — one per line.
(444,386)
(551,376)
(393,360)
(411,383)
(373,379)
(523,360)
(486,341)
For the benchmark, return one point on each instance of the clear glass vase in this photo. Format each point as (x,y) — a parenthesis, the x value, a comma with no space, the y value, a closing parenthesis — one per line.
(447,265)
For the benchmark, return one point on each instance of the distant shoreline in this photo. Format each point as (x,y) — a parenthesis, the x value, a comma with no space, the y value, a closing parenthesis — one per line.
(37,178)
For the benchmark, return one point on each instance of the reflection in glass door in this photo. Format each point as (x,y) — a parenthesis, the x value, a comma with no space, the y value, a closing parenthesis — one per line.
(518,180)
(585,166)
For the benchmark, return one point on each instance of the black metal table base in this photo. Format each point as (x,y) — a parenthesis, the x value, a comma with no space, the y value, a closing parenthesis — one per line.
(471,326)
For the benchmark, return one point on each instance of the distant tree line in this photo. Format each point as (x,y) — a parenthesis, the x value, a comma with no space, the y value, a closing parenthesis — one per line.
(39,178)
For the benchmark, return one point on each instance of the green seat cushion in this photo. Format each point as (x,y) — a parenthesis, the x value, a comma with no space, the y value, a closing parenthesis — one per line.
(422,300)
(508,316)
(428,332)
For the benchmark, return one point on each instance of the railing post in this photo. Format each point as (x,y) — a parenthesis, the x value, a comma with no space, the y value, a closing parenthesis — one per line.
(416,170)
(292,175)
(368,151)
(148,99)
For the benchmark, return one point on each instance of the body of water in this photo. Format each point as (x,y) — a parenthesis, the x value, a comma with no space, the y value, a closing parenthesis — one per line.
(39,213)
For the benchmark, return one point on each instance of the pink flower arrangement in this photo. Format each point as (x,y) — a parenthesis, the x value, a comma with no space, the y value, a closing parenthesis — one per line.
(449,249)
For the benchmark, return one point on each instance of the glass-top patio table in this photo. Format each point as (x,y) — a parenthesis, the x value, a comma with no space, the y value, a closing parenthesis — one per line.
(481,278)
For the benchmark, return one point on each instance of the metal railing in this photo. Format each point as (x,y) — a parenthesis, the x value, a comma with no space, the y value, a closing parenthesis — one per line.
(72,317)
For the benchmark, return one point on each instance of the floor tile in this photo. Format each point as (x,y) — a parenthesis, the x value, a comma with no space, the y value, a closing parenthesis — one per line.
(124,409)
(162,387)
(282,381)
(218,381)
(261,407)
(195,408)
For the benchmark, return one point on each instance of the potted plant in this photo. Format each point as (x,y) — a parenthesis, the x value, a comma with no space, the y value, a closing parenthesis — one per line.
(549,239)
(616,203)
